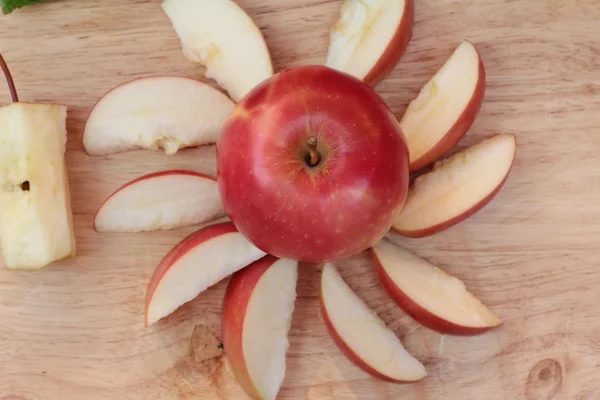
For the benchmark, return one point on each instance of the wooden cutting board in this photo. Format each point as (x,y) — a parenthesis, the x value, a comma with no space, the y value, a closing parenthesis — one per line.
(75,330)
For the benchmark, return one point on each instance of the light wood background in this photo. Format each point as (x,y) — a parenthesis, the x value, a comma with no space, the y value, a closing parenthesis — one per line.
(74,331)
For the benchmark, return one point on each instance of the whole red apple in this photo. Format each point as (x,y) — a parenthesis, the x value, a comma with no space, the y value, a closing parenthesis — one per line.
(312,165)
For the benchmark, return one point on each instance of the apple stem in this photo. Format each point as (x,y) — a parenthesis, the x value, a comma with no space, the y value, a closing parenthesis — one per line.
(9,80)
(313,154)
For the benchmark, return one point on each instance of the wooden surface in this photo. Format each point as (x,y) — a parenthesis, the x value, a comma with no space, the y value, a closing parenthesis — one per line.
(74,331)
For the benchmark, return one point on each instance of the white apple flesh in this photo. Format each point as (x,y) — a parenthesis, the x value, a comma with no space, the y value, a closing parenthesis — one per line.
(36,220)
(256,318)
(370,37)
(223,38)
(446,107)
(428,294)
(457,187)
(361,335)
(160,112)
(198,262)
(159,201)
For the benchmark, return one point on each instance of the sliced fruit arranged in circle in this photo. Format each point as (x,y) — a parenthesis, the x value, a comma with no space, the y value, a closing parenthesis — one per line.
(172,113)
(370,37)
(429,295)
(457,187)
(445,108)
(222,37)
(256,318)
(198,262)
(159,201)
(361,335)
(161,112)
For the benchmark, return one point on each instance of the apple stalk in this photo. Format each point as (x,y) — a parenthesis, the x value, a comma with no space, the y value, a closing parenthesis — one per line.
(313,157)
(9,80)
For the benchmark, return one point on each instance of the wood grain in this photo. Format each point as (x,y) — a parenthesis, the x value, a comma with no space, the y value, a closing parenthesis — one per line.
(75,330)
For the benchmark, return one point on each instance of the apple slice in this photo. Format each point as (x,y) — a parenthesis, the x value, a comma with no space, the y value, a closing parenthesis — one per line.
(445,108)
(256,318)
(160,112)
(198,262)
(429,295)
(361,335)
(457,187)
(222,37)
(370,37)
(159,201)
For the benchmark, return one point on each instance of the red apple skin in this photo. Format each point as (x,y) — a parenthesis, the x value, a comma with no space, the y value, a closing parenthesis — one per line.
(418,313)
(395,49)
(150,176)
(460,127)
(442,226)
(347,351)
(235,301)
(312,214)
(202,235)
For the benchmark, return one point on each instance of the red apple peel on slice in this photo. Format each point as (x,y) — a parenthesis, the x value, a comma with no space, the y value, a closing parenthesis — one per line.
(159,201)
(158,112)
(446,107)
(370,37)
(457,187)
(428,294)
(196,263)
(256,318)
(361,335)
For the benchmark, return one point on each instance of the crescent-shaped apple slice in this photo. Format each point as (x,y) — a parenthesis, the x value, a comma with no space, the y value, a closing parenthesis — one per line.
(198,262)
(159,201)
(361,335)
(256,318)
(161,112)
(370,37)
(222,37)
(445,108)
(428,294)
(457,187)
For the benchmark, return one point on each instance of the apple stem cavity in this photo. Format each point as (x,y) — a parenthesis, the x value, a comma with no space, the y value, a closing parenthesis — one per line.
(9,80)
(313,157)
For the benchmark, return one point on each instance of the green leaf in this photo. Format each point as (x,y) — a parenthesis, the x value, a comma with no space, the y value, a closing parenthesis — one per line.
(9,6)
